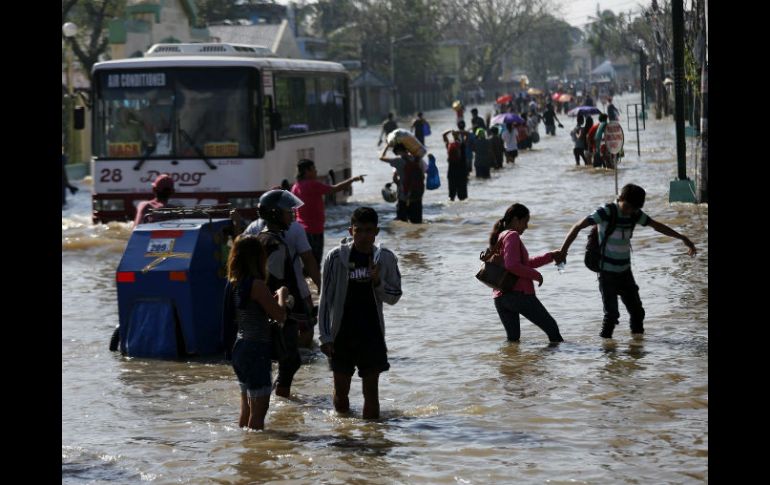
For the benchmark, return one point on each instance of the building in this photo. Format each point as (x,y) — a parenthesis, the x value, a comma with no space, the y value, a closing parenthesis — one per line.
(279,38)
(148,22)
(371,97)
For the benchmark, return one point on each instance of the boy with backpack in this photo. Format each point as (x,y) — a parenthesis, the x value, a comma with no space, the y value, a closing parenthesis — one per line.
(411,183)
(358,277)
(616,223)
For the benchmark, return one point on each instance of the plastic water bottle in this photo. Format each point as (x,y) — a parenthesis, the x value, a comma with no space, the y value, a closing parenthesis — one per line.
(560,267)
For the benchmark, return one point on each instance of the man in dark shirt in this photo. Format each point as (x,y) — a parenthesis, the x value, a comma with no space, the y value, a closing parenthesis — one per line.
(612,112)
(549,116)
(65,181)
(476,120)
(358,278)
(418,127)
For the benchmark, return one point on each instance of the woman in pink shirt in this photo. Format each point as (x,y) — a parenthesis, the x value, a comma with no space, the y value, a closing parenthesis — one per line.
(312,214)
(522,300)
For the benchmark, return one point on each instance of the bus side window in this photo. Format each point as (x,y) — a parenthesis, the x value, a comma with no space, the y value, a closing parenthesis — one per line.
(268,123)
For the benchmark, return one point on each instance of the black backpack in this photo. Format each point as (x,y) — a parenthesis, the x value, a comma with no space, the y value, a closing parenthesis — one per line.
(594,251)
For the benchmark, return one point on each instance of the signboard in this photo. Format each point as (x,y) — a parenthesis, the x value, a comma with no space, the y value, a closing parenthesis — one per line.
(160,246)
(613,137)
(226,149)
(189,175)
(124,150)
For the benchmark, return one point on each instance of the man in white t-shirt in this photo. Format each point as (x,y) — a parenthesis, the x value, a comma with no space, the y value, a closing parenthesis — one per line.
(510,143)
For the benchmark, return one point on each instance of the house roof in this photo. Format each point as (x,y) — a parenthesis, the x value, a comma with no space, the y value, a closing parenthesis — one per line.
(259,34)
(604,68)
(369,79)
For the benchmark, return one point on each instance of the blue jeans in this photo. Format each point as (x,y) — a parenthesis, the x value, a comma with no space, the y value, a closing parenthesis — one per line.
(512,304)
(251,362)
(612,285)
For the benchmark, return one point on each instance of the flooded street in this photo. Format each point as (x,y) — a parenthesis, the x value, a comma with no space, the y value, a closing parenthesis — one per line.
(459,404)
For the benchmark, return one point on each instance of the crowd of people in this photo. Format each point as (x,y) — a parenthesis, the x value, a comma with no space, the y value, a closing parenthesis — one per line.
(269,312)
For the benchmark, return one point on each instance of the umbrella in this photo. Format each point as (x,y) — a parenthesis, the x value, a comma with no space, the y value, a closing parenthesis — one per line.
(565,98)
(457,104)
(504,118)
(505,98)
(498,119)
(555,96)
(534,91)
(584,110)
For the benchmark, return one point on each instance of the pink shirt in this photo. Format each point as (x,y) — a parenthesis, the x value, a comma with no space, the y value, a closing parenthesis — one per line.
(518,262)
(311,215)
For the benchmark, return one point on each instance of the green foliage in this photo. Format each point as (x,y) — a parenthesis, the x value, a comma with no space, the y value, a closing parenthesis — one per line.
(545,50)
(364,30)
(92,18)
(611,34)
(214,10)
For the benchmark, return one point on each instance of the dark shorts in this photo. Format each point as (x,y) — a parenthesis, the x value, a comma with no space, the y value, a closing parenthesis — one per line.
(251,362)
(316,242)
(370,356)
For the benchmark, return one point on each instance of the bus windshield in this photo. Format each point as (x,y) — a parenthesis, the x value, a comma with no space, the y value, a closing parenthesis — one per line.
(176,113)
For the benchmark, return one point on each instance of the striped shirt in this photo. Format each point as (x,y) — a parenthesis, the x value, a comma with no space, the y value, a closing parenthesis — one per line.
(249,315)
(617,253)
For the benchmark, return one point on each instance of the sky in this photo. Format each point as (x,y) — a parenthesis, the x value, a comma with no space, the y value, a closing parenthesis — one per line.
(576,12)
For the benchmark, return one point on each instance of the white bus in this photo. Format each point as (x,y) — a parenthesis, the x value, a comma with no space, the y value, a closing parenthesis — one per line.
(226,121)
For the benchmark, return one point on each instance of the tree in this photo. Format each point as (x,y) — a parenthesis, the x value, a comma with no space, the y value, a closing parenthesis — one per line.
(91,17)
(546,48)
(365,29)
(492,28)
(214,10)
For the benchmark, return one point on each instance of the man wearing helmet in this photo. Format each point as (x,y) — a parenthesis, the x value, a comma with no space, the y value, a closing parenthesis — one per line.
(276,207)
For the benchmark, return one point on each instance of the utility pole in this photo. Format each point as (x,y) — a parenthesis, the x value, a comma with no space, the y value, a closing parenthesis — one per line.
(703,173)
(682,189)
(642,75)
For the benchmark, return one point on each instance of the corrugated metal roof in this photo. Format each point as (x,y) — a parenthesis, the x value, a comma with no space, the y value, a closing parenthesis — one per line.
(261,34)
(369,79)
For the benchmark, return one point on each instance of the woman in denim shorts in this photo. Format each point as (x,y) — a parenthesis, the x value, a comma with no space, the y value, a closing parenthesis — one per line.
(248,305)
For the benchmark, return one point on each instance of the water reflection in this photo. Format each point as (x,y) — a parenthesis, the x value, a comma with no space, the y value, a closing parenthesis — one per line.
(525,373)
(622,360)
(415,260)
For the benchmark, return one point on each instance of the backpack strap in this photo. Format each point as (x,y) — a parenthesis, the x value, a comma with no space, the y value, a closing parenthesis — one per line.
(610,229)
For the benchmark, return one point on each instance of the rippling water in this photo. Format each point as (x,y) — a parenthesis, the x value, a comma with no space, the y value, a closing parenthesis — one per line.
(460,404)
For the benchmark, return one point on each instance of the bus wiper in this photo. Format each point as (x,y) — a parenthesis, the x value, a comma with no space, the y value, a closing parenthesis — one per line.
(197,148)
(150,150)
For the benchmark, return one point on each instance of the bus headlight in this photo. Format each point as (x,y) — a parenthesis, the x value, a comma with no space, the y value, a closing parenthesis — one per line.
(109,205)
(243,202)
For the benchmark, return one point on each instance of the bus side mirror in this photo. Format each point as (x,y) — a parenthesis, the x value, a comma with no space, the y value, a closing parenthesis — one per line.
(275,121)
(79,117)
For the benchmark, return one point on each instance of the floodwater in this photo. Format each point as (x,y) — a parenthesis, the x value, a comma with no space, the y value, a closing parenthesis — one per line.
(460,404)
